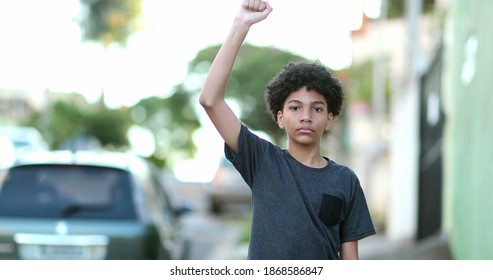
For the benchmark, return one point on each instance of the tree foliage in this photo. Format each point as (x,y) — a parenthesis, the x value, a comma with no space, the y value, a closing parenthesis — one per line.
(358,82)
(108,125)
(397,8)
(109,21)
(65,121)
(254,68)
(172,121)
(68,119)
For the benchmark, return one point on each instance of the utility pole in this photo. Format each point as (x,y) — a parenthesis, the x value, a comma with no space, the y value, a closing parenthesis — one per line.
(402,220)
(380,76)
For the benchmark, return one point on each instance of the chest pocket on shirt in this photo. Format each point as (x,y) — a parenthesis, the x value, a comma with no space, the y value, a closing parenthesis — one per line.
(330,210)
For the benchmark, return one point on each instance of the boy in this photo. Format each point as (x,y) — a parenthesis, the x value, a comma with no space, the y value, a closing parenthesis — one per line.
(305,206)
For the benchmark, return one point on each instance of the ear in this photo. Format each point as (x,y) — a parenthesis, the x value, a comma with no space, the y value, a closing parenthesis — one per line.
(280,120)
(330,118)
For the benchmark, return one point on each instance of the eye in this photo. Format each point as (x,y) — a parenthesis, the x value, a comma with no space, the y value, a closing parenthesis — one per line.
(318,109)
(294,108)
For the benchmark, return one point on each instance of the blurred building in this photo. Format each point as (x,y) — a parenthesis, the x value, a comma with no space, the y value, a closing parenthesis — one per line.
(16,105)
(385,134)
(468,133)
(426,165)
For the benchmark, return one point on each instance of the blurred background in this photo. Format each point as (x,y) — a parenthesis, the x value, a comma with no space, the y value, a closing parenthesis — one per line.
(125,76)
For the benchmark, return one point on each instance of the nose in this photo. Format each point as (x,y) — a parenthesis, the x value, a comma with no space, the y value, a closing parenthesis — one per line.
(306,116)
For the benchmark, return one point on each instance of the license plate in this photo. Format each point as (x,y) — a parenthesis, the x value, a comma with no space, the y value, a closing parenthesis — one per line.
(61,247)
(63,252)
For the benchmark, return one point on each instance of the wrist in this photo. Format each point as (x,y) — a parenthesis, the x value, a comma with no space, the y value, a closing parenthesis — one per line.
(240,22)
(241,25)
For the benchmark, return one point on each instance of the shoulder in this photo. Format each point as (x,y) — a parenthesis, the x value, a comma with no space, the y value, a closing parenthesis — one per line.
(342,170)
(252,144)
(249,137)
(345,177)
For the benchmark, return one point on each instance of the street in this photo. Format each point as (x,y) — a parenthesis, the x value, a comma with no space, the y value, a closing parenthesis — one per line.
(214,236)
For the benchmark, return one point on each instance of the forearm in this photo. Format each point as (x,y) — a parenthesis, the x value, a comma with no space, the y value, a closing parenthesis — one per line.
(349,250)
(212,95)
(215,85)
(251,12)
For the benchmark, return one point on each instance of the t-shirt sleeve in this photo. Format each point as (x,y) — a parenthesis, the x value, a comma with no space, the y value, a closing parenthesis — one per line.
(357,223)
(251,149)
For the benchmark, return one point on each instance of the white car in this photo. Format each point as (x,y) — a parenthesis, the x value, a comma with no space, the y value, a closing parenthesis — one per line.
(24,138)
(7,150)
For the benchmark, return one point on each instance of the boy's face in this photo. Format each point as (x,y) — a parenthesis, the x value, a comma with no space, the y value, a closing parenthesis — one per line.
(305,117)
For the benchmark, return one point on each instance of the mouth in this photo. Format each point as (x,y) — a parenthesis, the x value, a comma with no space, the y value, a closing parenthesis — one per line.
(304,130)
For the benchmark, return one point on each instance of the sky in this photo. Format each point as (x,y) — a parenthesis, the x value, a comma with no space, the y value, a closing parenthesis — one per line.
(41,48)
(40,45)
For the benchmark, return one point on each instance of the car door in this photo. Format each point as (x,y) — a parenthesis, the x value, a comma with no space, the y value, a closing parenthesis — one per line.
(171,226)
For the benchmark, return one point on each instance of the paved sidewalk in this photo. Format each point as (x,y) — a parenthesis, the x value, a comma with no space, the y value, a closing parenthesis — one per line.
(379,247)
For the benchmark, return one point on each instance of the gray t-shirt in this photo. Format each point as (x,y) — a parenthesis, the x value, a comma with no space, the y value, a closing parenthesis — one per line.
(298,212)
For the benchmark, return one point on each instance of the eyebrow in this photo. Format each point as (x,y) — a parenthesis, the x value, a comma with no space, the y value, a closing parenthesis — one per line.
(299,102)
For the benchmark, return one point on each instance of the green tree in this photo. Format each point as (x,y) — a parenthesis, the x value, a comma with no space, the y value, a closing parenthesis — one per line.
(172,121)
(397,8)
(65,121)
(254,68)
(358,83)
(68,119)
(109,21)
(108,126)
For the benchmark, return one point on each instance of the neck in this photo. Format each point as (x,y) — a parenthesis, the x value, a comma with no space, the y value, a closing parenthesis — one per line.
(308,156)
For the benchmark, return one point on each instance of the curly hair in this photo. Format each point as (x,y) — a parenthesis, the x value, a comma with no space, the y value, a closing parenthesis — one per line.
(295,75)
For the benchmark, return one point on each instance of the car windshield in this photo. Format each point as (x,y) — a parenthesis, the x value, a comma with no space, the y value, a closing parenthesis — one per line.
(66,191)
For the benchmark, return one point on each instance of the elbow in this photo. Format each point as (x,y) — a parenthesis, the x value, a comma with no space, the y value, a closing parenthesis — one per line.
(202,100)
(205,102)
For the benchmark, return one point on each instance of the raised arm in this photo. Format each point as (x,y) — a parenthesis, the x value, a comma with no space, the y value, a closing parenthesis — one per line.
(212,95)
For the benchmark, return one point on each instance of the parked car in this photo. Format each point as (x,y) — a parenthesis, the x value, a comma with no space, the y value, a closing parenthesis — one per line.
(87,205)
(228,187)
(26,139)
(7,152)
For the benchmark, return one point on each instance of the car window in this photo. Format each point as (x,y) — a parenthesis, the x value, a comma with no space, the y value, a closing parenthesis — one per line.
(61,191)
